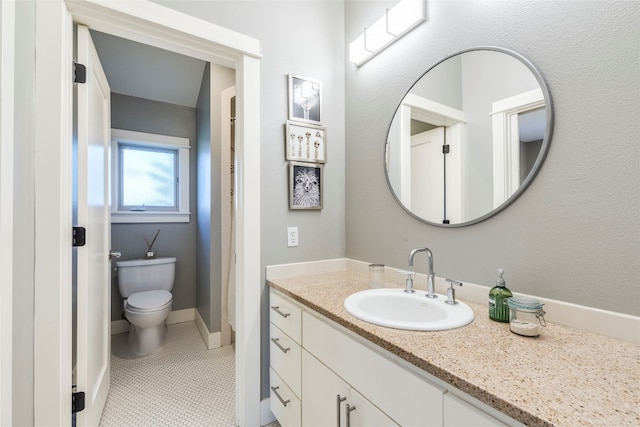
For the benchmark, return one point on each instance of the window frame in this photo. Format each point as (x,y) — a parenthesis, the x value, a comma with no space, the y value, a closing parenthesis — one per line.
(152,215)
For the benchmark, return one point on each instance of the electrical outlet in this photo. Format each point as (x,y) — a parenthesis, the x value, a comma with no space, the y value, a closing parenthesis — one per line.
(292,236)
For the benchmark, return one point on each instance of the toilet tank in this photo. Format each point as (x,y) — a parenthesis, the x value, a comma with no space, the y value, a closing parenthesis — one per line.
(138,275)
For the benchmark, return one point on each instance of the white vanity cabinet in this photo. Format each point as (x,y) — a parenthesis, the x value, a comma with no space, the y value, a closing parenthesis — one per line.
(285,355)
(319,367)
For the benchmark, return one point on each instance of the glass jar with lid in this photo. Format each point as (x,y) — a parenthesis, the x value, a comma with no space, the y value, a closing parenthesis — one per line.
(526,316)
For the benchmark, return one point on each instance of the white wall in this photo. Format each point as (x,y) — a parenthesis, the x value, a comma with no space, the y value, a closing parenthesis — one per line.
(574,234)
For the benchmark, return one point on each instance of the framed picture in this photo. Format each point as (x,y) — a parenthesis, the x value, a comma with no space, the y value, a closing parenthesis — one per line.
(305,97)
(305,185)
(305,142)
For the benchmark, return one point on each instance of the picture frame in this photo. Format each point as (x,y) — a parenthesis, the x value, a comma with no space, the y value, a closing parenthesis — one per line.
(305,142)
(305,99)
(306,185)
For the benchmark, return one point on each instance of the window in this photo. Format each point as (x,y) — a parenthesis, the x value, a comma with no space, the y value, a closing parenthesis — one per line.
(150,177)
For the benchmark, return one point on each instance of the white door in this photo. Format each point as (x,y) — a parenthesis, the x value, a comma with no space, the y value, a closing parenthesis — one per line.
(93,266)
(427,171)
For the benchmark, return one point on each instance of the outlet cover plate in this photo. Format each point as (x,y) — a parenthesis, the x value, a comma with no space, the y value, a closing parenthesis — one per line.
(292,236)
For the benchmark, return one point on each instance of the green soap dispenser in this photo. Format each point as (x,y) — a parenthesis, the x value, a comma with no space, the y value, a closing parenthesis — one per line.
(498,308)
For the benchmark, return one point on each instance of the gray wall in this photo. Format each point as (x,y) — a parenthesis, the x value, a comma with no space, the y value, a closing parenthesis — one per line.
(203,200)
(444,84)
(209,242)
(574,235)
(175,240)
(304,38)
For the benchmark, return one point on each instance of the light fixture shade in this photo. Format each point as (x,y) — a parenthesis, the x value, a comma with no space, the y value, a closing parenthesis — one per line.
(395,23)
(405,15)
(357,53)
(376,37)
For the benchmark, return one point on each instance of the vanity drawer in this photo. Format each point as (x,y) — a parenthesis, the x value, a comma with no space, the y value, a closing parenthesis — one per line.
(285,358)
(283,402)
(286,315)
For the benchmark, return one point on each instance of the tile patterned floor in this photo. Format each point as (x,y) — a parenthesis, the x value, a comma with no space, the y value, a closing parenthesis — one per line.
(184,384)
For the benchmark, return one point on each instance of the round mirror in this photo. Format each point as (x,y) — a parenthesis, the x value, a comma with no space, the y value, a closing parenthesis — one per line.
(469,137)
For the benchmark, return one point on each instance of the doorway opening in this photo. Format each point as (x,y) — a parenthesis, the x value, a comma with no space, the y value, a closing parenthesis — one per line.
(143,111)
(159,26)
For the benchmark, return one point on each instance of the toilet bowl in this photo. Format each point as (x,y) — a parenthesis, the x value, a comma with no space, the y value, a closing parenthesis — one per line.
(145,286)
(147,314)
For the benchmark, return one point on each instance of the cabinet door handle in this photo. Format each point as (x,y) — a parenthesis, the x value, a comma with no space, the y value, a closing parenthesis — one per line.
(276,308)
(339,400)
(275,341)
(349,409)
(284,402)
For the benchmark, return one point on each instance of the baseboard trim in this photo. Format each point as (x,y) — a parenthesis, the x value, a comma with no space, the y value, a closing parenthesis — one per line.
(211,339)
(180,316)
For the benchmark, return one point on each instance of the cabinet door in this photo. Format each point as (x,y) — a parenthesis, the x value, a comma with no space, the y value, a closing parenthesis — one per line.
(320,390)
(364,414)
(326,398)
(407,398)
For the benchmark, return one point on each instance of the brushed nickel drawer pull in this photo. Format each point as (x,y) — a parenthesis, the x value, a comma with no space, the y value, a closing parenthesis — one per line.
(339,400)
(349,409)
(275,341)
(276,308)
(284,402)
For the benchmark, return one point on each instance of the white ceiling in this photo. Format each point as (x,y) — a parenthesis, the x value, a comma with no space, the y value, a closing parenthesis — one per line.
(143,71)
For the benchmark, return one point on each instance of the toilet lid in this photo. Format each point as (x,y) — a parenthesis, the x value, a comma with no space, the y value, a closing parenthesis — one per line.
(149,299)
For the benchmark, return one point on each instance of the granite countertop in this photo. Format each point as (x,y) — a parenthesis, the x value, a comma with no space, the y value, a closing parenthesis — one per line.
(564,377)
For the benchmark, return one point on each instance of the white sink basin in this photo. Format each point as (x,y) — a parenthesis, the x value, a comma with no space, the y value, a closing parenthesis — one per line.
(397,309)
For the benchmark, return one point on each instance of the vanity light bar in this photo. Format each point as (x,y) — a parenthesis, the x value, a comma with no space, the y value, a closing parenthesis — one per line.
(396,22)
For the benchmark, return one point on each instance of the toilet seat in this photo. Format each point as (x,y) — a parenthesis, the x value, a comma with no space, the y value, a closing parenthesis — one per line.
(147,301)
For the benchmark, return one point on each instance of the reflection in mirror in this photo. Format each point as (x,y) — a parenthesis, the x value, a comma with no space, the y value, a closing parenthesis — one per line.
(468,137)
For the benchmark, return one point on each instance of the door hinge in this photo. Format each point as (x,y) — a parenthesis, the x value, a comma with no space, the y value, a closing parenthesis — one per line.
(79,237)
(77,402)
(445,149)
(79,73)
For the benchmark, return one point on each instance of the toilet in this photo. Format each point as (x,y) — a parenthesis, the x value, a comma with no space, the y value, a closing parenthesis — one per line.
(145,285)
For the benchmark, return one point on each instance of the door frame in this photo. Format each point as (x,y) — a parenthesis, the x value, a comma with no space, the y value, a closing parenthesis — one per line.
(7,64)
(159,26)
(225,210)
(506,141)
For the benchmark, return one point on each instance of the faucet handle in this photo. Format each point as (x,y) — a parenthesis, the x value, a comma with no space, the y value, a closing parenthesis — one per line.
(451,293)
(409,282)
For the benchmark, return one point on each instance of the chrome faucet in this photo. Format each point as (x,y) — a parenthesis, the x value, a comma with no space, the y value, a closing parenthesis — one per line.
(430,286)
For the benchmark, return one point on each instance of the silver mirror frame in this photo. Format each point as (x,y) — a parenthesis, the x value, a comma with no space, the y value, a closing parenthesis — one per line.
(544,149)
